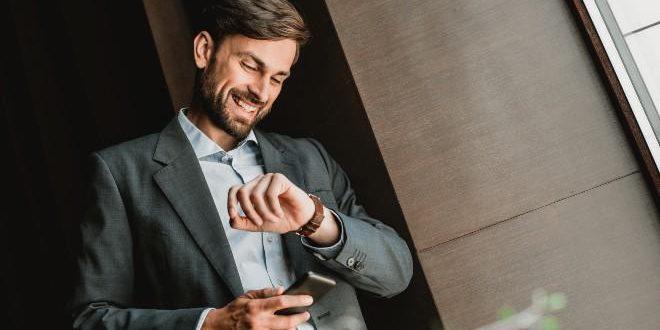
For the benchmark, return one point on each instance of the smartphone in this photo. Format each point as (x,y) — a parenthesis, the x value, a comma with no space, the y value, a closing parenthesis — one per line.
(311,284)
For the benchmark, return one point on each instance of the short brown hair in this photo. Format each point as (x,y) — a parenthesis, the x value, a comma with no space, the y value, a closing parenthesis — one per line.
(256,19)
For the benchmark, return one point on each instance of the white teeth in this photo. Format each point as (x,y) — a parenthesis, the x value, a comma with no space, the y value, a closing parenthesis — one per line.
(246,106)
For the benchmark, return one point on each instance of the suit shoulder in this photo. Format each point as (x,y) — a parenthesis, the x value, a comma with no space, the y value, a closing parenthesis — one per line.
(303,146)
(309,151)
(135,149)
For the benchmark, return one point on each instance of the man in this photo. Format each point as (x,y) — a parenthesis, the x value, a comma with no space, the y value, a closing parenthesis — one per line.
(203,224)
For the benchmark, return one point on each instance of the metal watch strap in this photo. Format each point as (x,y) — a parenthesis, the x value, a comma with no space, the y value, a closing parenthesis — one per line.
(315,222)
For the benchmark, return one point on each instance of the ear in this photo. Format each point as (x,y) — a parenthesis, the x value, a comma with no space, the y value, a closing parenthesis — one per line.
(202,49)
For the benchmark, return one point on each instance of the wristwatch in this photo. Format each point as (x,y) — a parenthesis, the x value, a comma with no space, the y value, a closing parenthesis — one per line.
(315,222)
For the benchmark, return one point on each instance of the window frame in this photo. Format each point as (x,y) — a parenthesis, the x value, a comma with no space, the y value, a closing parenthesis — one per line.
(630,97)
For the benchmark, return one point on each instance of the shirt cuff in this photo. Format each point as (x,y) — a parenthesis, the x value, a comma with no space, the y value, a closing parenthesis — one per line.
(327,252)
(202,317)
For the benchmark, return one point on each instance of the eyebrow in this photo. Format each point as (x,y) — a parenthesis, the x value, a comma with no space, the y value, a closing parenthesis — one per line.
(261,63)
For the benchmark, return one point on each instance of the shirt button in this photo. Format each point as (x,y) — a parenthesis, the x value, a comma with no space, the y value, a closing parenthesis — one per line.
(279,282)
(350,262)
(269,239)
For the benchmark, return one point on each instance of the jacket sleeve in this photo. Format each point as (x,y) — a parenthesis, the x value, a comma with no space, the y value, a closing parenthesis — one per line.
(103,293)
(373,257)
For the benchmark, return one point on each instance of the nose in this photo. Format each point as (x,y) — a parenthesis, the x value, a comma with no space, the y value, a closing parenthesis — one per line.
(260,89)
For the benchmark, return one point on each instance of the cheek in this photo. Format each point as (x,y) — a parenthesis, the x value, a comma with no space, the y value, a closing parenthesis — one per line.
(273,96)
(237,76)
(237,82)
(228,78)
(275,92)
(212,86)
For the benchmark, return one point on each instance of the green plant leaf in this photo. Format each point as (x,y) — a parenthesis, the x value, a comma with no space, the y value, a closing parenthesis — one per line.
(557,301)
(549,323)
(505,312)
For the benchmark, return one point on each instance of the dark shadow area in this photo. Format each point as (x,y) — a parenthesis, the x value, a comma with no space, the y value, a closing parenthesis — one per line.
(75,76)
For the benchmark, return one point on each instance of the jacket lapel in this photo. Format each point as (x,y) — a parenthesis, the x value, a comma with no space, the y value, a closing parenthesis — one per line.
(277,159)
(183,183)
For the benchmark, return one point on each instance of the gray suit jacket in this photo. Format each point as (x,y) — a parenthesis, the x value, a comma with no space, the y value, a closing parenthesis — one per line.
(154,253)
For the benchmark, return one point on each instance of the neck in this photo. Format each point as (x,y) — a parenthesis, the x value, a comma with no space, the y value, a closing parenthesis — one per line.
(204,124)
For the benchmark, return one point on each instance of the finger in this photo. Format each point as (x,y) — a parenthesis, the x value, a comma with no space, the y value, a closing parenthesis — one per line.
(237,221)
(286,321)
(259,202)
(243,196)
(232,202)
(273,195)
(286,301)
(264,293)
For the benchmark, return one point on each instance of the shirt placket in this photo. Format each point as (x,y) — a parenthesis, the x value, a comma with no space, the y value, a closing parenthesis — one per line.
(271,245)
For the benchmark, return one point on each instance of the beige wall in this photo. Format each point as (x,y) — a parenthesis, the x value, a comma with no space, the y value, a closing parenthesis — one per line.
(507,158)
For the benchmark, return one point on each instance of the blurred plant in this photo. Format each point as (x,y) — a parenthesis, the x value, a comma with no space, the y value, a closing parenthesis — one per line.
(534,317)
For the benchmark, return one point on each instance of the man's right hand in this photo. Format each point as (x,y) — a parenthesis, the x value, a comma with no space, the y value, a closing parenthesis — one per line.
(256,310)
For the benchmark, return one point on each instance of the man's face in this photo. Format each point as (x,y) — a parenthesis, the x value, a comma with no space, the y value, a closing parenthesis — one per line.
(244,77)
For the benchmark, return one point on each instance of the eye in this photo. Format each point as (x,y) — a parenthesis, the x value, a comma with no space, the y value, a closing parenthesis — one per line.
(276,81)
(248,67)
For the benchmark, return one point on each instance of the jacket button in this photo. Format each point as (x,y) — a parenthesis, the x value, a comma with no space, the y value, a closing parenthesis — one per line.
(350,262)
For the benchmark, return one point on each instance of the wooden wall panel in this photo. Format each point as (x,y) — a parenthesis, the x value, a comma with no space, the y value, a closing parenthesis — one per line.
(483,110)
(172,35)
(599,248)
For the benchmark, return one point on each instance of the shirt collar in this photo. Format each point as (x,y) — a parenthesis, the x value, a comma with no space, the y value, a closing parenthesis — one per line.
(202,144)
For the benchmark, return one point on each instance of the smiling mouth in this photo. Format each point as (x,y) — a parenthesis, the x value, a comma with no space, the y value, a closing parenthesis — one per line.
(243,104)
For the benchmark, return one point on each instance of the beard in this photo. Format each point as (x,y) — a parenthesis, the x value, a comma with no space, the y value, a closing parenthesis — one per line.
(214,106)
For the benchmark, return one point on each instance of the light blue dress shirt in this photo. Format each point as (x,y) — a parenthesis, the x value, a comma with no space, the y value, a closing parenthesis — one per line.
(259,256)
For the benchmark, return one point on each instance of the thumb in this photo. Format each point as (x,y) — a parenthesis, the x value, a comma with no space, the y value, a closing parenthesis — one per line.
(264,293)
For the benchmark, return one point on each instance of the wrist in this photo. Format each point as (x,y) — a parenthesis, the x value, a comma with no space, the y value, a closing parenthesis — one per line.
(328,233)
(214,319)
(310,208)
(314,222)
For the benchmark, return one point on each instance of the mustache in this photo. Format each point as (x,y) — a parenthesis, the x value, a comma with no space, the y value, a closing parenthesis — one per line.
(247,95)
